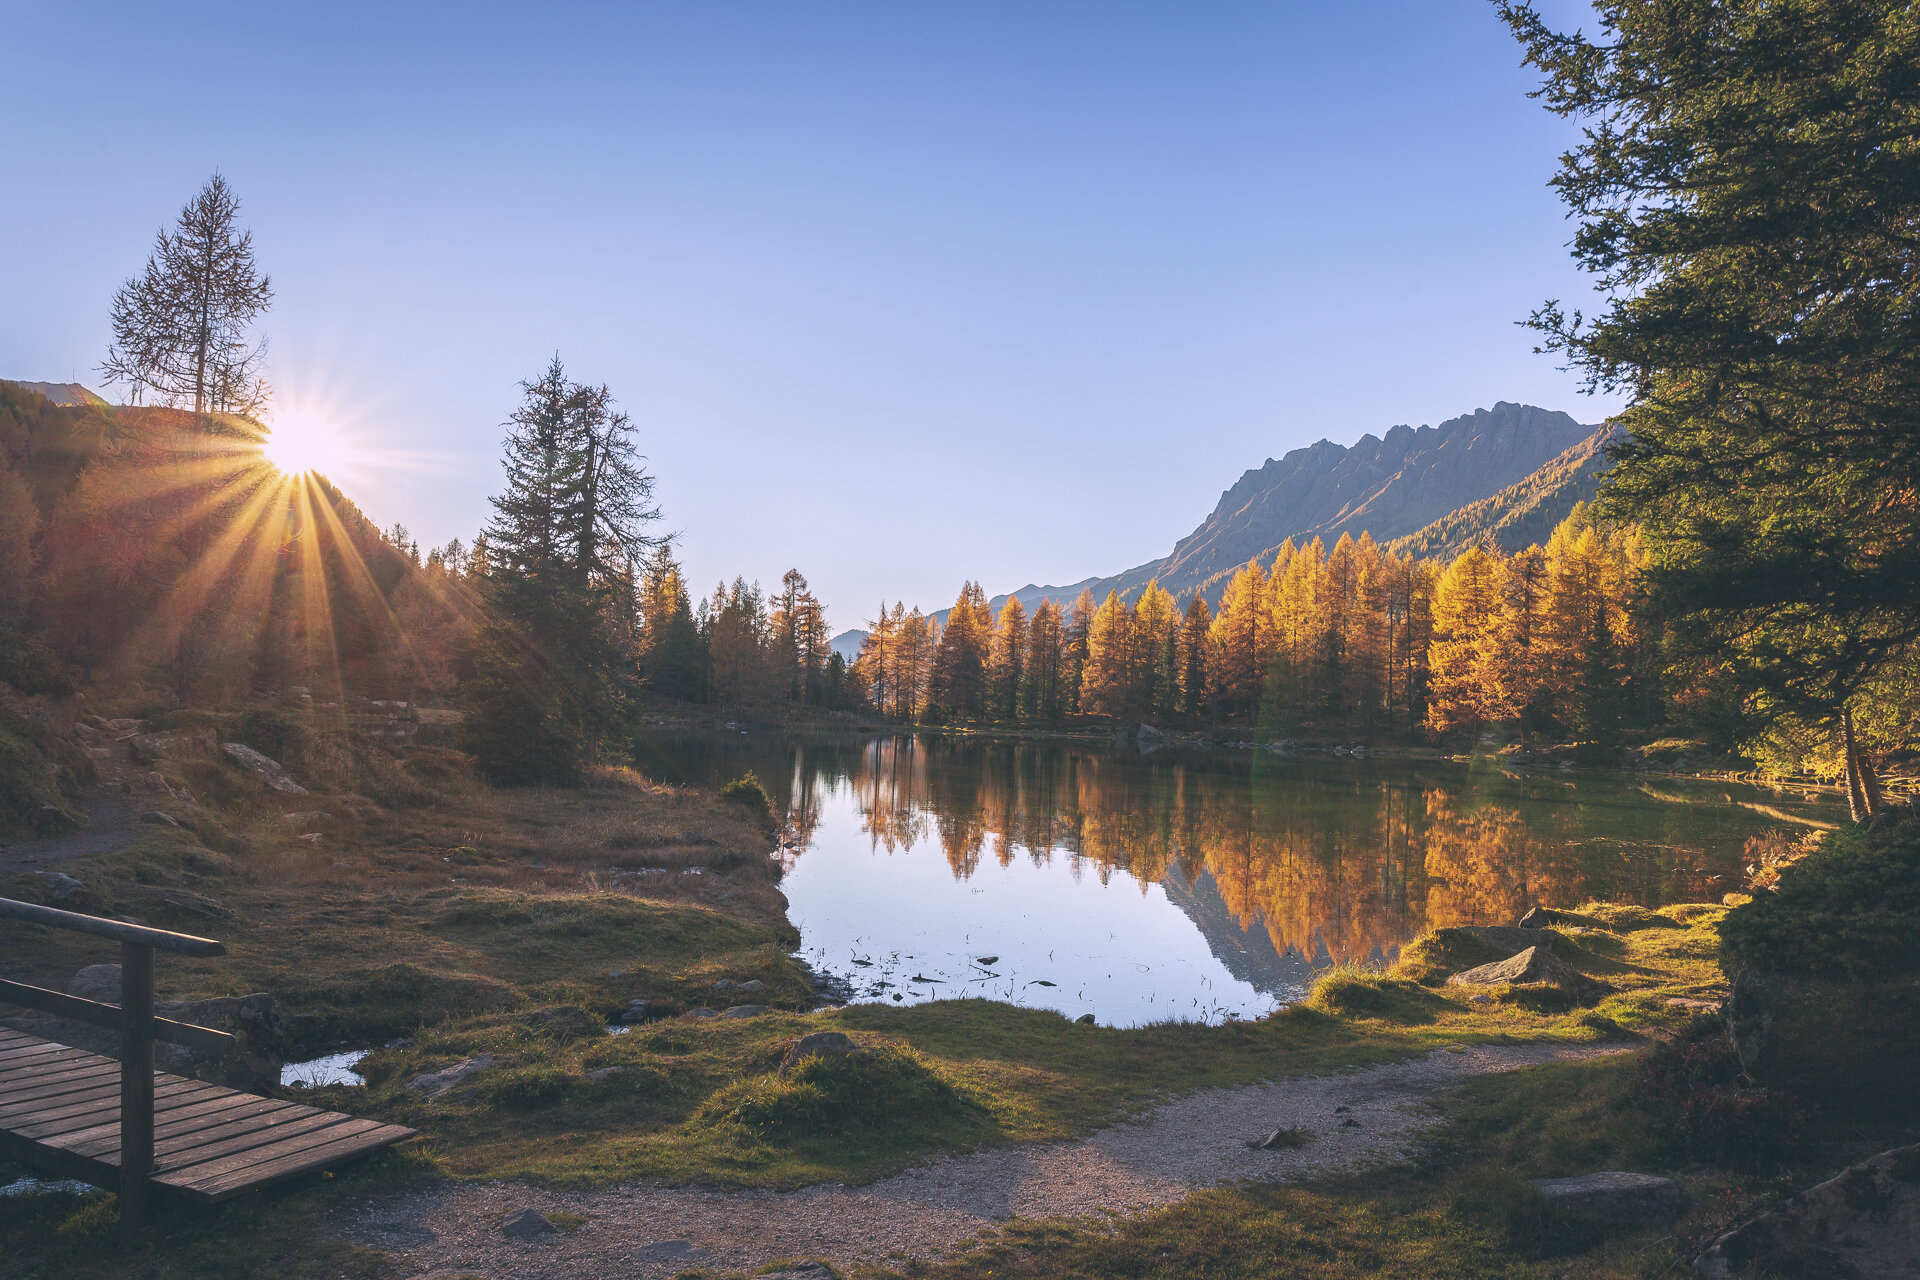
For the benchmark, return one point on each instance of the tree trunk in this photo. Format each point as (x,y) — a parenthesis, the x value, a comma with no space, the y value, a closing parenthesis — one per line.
(1859,806)
(1869,779)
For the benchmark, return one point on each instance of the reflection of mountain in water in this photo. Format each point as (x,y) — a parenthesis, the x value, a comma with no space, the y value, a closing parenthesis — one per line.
(1248,953)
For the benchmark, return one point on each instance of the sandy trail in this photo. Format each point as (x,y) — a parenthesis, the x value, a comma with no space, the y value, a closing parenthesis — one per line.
(1154,1159)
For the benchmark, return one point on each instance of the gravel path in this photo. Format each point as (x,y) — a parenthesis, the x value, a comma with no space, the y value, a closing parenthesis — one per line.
(1155,1159)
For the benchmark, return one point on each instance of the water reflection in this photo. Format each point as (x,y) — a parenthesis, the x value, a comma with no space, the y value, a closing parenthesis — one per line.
(1199,885)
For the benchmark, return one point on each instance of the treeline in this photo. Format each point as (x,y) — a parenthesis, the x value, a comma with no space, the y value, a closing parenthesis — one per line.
(1548,639)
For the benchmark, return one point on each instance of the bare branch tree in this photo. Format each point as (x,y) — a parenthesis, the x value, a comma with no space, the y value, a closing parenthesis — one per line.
(180,327)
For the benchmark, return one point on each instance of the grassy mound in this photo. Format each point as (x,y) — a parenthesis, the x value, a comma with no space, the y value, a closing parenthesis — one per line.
(878,1094)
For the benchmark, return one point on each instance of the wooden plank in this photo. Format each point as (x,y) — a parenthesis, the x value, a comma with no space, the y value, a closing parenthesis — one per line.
(172,1124)
(24,1111)
(49,1072)
(262,1119)
(20,1055)
(210,1171)
(67,1119)
(100,1014)
(254,1133)
(273,1165)
(54,1086)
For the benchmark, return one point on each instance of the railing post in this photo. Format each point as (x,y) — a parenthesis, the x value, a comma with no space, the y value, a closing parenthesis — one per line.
(136,1083)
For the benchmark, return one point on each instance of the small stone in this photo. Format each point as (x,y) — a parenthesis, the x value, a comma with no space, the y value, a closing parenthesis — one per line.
(1085,1020)
(270,770)
(752,984)
(60,886)
(724,984)
(1349,1123)
(987,960)
(156,818)
(1638,1198)
(698,1015)
(744,1011)
(821,1044)
(436,1083)
(526,1224)
(604,1073)
(1342,1110)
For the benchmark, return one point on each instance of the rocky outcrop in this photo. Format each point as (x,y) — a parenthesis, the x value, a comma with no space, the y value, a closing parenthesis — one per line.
(259,1049)
(434,1084)
(821,1044)
(1863,1224)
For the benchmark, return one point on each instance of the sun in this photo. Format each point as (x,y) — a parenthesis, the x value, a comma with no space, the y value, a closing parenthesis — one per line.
(302,443)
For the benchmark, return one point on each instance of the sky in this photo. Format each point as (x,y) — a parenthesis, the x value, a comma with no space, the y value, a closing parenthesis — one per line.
(896,294)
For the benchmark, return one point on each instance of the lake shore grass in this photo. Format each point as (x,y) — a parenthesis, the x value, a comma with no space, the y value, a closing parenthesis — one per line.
(467,921)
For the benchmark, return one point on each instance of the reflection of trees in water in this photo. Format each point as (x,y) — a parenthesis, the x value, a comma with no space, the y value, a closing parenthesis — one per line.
(1352,863)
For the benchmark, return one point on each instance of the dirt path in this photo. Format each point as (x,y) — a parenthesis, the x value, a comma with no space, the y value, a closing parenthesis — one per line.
(1154,1159)
(108,814)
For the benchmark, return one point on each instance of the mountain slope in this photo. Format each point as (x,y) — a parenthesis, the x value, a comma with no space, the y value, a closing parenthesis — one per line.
(64,394)
(1521,514)
(1392,487)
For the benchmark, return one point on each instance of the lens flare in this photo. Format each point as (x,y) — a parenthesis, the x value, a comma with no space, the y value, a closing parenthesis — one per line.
(303,443)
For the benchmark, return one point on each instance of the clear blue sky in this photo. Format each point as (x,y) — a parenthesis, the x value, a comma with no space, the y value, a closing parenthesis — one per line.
(899,294)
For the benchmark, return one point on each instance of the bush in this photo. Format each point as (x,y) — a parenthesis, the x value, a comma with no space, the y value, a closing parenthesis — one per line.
(514,721)
(879,1092)
(1695,1086)
(1851,908)
(747,792)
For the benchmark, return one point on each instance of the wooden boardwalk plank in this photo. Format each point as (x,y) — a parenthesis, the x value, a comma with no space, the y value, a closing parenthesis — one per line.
(211,1143)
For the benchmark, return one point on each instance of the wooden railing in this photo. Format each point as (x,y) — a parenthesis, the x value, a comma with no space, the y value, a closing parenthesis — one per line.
(133,1017)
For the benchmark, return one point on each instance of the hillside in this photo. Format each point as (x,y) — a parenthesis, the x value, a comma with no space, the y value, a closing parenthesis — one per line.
(1392,487)
(1519,515)
(66,395)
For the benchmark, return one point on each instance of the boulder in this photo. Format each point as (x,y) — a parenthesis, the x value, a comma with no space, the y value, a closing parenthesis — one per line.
(96,982)
(434,1084)
(744,1011)
(1864,1222)
(269,769)
(1149,739)
(526,1224)
(1534,966)
(1629,1199)
(1511,939)
(821,1044)
(700,1014)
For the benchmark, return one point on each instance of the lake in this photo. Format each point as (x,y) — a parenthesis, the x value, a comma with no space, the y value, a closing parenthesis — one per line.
(1193,884)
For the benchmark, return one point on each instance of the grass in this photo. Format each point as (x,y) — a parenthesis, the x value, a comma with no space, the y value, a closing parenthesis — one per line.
(441,919)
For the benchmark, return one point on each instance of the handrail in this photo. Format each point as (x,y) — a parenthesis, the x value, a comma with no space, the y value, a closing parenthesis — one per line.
(119,930)
(137,1029)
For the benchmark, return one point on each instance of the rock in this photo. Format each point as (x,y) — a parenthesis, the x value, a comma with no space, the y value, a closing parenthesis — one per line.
(180,902)
(563,1022)
(60,887)
(1085,1020)
(752,984)
(436,1083)
(604,1073)
(159,819)
(1149,739)
(636,1011)
(744,1011)
(1543,917)
(989,960)
(1864,1222)
(261,1042)
(526,1224)
(179,744)
(724,984)
(1631,1199)
(821,1044)
(1281,1140)
(700,1014)
(669,1251)
(1534,966)
(96,982)
(269,770)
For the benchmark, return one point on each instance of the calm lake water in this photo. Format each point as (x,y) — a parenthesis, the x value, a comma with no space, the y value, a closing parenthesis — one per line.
(1198,885)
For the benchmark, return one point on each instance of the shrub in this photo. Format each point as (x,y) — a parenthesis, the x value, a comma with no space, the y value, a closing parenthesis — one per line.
(1695,1086)
(1852,908)
(747,792)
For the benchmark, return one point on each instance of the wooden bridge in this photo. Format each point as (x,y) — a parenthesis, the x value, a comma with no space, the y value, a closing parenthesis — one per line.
(140,1132)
